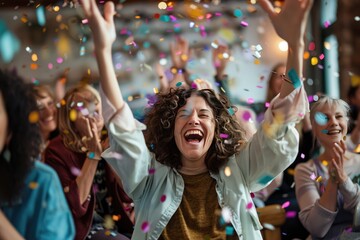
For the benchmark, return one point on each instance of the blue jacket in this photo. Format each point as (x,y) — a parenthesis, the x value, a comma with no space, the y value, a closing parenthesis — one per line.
(266,155)
(41,212)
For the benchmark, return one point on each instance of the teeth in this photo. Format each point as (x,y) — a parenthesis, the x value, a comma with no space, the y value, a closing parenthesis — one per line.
(334,131)
(197,132)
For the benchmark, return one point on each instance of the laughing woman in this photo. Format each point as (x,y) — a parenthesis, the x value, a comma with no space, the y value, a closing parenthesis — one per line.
(196,164)
(327,187)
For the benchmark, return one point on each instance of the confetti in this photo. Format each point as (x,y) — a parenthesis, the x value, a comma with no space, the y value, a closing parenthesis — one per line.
(229,230)
(249,205)
(319,179)
(73,115)
(321,118)
(40,15)
(312,176)
(227,171)
(246,116)
(108,222)
(231,111)
(238,13)
(269,226)
(294,78)
(33,185)
(34,117)
(115,155)
(116,217)
(291,214)
(285,204)
(163,198)
(265,179)
(226,214)
(75,171)
(224,135)
(151,170)
(178,84)
(145,227)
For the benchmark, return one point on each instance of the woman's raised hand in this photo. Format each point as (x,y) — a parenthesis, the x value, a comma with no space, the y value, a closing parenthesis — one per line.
(103,27)
(290,23)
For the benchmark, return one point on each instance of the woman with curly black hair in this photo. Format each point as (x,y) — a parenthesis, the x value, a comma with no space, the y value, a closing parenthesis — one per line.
(31,197)
(195,177)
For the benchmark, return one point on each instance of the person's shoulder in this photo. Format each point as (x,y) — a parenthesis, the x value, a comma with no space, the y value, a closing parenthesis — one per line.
(55,142)
(305,166)
(42,172)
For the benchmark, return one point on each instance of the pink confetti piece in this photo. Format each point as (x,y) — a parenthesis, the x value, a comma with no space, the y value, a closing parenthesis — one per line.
(313,176)
(59,60)
(151,170)
(327,23)
(252,195)
(244,24)
(285,204)
(291,214)
(302,156)
(115,155)
(246,115)
(249,205)
(224,135)
(267,104)
(163,198)
(322,56)
(50,66)
(145,227)
(75,171)
(250,101)
(311,46)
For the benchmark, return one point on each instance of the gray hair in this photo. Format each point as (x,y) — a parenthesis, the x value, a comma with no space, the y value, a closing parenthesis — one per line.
(328,101)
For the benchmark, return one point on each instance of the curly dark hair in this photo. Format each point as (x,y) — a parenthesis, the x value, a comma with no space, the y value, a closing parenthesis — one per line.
(25,139)
(160,122)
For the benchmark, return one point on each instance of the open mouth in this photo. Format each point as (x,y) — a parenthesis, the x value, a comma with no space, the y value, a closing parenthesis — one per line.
(334,132)
(194,136)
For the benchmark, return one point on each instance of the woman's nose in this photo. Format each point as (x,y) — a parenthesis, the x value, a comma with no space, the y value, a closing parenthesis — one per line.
(194,119)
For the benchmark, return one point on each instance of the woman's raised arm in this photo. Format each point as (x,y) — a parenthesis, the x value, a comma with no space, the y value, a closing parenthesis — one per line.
(103,29)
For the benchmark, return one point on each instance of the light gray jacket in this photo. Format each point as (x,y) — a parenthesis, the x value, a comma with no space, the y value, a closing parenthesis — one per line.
(268,153)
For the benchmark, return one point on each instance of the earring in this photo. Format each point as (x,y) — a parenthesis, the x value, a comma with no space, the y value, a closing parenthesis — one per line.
(6,154)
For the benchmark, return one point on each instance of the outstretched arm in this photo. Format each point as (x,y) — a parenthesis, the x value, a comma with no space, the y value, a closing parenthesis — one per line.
(290,25)
(103,29)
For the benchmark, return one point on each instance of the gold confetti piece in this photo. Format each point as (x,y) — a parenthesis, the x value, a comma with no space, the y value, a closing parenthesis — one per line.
(156,90)
(34,66)
(319,179)
(116,217)
(227,171)
(34,117)
(357,149)
(73,115)
(257,61)
(306,55)
(344,138)
(108,222)
(325,163)
(291,171)
(66,189)
(33,185)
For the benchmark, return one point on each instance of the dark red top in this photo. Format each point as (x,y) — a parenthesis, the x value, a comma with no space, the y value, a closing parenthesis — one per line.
(63,160)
